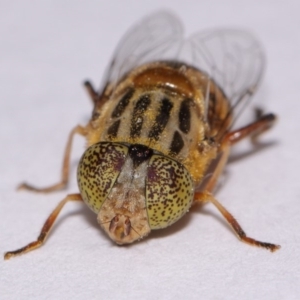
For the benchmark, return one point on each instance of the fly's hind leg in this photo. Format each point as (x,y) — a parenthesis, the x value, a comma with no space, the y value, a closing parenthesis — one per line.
(65,167)
(45,230)
(253,130)
(91,91)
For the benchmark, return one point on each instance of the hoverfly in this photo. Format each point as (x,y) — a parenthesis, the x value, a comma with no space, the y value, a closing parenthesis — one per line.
(162,119)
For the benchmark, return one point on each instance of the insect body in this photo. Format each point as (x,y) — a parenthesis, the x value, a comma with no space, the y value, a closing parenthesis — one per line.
(161,121)
(156,120)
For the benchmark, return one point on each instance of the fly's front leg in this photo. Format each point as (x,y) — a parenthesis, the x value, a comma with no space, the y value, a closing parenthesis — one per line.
(213,179)
(253,130)
(65,167)
(45,230)
(207,197)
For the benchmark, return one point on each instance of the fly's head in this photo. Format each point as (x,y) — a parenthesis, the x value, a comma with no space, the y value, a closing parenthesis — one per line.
(133,189)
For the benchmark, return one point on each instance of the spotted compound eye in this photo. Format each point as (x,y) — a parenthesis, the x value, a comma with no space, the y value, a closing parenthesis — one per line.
(98,170)
(169,191)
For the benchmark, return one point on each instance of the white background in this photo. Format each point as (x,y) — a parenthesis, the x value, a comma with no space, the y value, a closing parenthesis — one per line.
(47,48)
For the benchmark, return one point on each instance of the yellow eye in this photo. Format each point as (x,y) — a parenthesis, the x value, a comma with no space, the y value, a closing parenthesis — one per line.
(98,170)
(169,191)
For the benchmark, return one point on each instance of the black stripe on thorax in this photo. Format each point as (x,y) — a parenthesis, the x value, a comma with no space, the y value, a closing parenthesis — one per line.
(137,118)
(112,131)
(120,108)
(177,143)
(161,119)
(185,116)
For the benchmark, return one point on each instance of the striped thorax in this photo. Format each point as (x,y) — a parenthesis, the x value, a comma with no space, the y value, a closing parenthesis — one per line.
(162,128)
(150,145)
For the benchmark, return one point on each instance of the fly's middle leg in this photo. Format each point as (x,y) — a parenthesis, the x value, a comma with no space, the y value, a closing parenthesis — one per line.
(65,167)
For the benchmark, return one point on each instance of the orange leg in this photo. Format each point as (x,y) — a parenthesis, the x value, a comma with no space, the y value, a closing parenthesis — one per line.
(46,228)
(65,168)
(213,179)
(66,161)
(253,130)
(207,197)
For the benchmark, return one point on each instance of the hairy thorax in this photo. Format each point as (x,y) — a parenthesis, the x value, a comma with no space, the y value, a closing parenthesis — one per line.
(163,105)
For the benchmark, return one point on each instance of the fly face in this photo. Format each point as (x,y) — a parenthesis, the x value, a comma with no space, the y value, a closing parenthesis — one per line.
(133,189)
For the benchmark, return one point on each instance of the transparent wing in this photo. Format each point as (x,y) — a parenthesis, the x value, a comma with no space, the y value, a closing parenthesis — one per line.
(233,59)
(157,37)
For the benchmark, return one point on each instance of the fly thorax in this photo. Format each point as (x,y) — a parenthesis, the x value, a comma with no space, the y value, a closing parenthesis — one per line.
(155,116)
